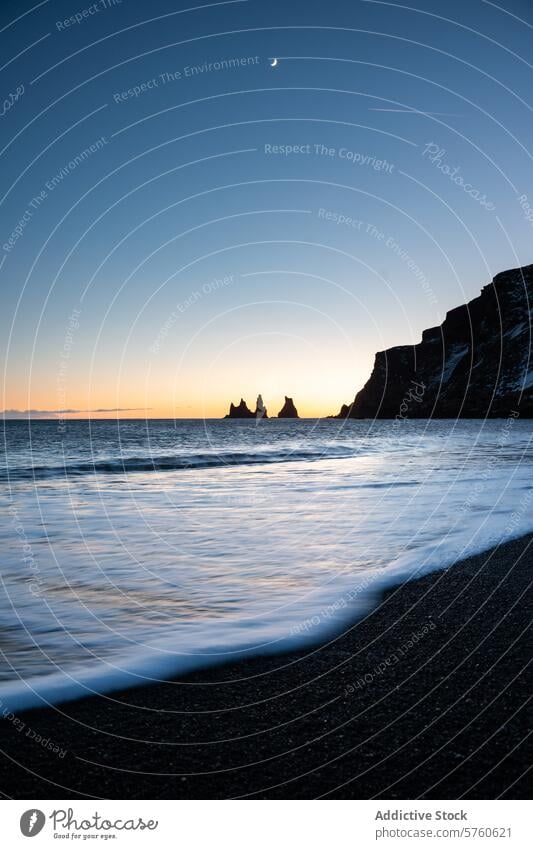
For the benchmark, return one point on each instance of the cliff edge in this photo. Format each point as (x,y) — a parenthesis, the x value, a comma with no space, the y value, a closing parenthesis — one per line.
(477,363)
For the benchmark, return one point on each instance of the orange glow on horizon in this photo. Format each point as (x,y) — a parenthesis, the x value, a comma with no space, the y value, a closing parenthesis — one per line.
(217,408)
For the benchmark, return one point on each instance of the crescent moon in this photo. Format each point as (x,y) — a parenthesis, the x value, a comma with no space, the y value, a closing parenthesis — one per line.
(273,63)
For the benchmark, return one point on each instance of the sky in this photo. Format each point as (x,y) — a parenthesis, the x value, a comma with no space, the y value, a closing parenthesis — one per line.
(185,222)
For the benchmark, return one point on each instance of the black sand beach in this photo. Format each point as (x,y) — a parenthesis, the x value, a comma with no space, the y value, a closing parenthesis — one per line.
(376,712)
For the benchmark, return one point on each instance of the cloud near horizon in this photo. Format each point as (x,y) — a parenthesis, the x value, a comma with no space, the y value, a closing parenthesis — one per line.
(47,414)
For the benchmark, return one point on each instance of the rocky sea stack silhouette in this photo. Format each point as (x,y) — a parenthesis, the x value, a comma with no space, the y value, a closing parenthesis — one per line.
(242,411)
(288,411)
(260,409)
(477,363)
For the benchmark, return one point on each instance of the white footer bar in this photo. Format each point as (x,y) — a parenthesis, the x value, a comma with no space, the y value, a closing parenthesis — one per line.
(266,824)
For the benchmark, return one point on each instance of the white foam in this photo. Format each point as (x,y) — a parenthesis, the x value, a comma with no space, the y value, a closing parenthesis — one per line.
(345,601)
(181,572)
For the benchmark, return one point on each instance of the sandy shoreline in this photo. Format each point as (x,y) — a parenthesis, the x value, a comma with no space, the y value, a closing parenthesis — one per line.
(425,697)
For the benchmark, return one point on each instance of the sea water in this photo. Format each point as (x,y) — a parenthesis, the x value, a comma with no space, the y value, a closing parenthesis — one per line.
(136,550)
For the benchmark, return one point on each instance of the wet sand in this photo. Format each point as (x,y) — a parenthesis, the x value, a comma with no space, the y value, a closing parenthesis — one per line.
(426,697)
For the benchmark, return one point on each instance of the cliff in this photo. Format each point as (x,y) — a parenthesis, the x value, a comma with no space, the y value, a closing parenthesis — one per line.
(288,411)
(475,364)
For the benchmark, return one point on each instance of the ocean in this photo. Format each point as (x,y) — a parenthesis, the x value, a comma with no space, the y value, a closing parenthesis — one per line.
(137,550)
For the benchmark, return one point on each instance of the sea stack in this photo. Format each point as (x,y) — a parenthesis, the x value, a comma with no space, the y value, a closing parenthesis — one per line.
(260,409)
(288,411)
(240,411)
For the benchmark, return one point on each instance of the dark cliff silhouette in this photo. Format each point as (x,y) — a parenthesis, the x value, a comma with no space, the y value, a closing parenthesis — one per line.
(475,364)
(288,411)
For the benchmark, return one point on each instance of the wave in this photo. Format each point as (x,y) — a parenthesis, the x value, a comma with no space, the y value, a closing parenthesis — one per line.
(342,601)
(175,462)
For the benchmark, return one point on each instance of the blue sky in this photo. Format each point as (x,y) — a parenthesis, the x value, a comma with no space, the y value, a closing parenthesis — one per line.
(247,228)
